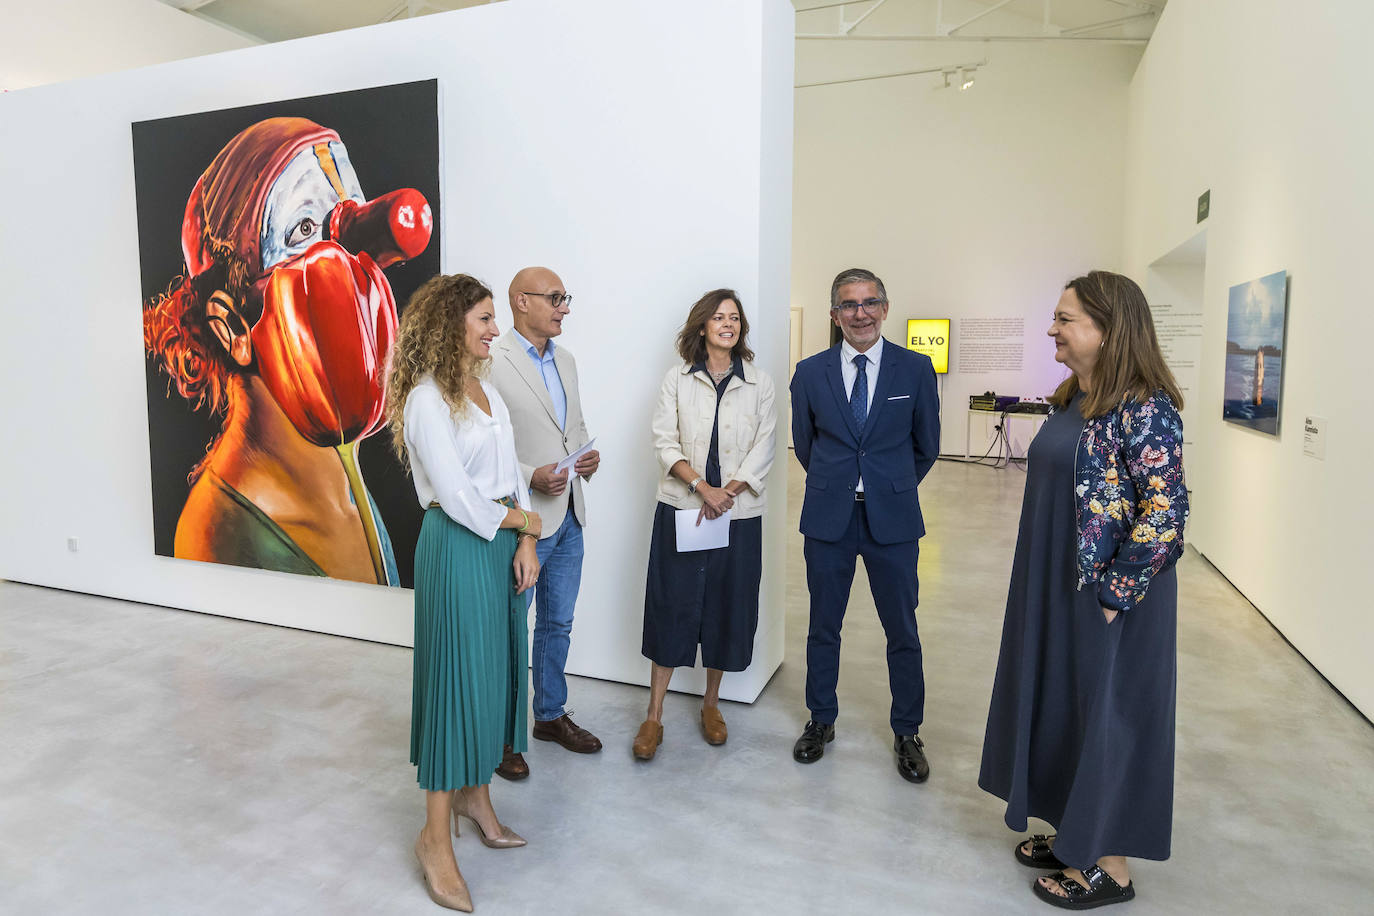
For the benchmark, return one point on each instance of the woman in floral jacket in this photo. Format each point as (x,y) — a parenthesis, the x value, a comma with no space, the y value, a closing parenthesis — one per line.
(1081,726)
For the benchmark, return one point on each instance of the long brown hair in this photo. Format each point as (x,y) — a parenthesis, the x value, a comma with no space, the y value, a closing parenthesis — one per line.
(1130,365)
(432,340)
(691,343)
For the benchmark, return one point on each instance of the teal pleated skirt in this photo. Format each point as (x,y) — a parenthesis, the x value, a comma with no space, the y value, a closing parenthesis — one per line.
(470,688)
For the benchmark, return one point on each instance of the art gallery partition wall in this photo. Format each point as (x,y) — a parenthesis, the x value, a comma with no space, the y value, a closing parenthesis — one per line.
(1224,100)
(643,171)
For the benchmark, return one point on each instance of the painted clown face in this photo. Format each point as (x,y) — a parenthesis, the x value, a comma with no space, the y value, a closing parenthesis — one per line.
(298,205)
(284,198)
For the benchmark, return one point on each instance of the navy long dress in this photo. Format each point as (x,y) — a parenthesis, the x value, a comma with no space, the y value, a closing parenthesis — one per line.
(1081,727)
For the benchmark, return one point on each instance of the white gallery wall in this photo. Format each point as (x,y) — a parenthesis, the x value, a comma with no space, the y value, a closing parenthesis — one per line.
(970,205)
(1265,102)
(644,171)
(65,39)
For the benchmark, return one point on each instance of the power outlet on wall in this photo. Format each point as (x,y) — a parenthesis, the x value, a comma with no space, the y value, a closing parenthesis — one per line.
(73,545)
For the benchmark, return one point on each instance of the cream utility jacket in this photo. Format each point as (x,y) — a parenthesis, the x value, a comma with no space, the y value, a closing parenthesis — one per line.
(682,431)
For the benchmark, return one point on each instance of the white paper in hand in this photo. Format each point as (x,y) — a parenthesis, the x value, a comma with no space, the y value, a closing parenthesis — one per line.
(709,535)
(566,464)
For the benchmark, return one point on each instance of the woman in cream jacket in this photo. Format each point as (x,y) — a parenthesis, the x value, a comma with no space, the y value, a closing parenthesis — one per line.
(713,433)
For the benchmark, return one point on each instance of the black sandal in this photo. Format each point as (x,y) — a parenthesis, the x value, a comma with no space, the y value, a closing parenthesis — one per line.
(1101,890)
(1041,854)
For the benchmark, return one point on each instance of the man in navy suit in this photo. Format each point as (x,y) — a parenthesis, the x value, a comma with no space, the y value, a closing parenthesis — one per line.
(866,426)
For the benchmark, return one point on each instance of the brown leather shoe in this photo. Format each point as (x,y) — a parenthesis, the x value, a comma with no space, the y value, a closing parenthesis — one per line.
(513,765)
(567,733)
(647,741)
(713,725)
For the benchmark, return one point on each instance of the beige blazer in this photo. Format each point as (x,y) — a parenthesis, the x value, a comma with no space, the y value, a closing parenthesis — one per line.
(682,431)
(538,440)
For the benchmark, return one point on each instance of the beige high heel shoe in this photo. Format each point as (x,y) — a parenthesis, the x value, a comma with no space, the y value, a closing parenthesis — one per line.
(508,839)
(461,901)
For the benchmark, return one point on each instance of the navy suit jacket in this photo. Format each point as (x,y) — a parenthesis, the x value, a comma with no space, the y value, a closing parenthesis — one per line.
(895,451)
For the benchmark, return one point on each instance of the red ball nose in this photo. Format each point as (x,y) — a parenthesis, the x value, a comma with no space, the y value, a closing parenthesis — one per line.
(391,228)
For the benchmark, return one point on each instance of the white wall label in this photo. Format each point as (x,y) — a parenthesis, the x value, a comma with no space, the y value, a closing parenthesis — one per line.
(1179,331)
(1314,437)
(992,344)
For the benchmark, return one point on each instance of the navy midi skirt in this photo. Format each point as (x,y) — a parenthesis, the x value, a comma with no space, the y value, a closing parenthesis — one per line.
(706,598)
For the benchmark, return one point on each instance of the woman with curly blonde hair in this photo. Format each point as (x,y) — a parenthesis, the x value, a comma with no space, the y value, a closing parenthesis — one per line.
(474,560)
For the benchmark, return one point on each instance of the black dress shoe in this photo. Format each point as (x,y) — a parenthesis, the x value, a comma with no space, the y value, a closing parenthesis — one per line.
(911,758)
(810,747)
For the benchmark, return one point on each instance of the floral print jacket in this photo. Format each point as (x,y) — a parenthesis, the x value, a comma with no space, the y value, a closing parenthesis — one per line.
(1131,499)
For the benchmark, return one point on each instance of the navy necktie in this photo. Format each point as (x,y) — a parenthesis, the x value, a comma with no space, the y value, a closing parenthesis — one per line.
(858,395)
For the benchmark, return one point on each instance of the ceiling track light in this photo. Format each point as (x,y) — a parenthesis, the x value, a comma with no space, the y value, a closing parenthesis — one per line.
(960,75)
(963,72)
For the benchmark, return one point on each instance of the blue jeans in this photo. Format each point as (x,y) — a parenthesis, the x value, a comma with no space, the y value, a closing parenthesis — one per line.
(555,595)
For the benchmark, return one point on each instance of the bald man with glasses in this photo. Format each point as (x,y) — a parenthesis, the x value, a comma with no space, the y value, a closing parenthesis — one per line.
(538,382)
(866,426)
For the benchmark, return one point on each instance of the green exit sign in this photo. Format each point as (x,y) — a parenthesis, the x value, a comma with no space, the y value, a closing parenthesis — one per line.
(1204,205)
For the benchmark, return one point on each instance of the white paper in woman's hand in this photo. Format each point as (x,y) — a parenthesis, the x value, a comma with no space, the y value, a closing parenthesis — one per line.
(710,534)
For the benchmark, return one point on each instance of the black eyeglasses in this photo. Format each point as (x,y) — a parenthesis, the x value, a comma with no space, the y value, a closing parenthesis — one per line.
(555,299)
(849,307)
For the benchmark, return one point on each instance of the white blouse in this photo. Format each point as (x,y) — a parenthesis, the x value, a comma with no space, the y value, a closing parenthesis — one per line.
(463,463)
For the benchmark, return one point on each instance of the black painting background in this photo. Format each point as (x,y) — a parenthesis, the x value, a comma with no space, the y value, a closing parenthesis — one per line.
(392,135)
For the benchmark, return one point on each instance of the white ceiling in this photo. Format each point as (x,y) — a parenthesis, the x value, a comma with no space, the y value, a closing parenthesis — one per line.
(279,20)
(892,20)
(990,20)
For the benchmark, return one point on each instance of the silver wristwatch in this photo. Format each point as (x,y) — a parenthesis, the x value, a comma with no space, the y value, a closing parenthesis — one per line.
(692,487)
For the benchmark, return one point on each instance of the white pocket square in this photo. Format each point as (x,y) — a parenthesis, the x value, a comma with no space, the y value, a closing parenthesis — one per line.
(899,397)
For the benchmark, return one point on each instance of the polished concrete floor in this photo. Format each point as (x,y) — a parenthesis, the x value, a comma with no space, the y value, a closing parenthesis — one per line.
(154,761)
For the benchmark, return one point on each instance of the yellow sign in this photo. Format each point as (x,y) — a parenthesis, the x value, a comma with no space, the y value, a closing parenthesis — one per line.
(931,337)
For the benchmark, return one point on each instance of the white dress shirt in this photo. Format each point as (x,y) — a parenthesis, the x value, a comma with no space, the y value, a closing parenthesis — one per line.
(464,463)
(849,372)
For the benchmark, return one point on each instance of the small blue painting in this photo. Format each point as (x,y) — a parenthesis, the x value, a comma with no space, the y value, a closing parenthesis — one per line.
(1255,330)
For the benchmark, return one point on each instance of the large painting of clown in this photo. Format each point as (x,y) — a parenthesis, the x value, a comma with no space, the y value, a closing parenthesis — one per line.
(276,243)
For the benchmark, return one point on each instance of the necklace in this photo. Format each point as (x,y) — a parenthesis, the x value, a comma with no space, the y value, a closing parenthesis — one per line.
(718,377)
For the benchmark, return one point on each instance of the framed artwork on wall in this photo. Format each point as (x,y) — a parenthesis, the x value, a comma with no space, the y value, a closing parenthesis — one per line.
(277,245)
(931,337)
(1256,329)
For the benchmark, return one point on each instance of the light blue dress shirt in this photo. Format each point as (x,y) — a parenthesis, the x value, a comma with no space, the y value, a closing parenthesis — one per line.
(549,371)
